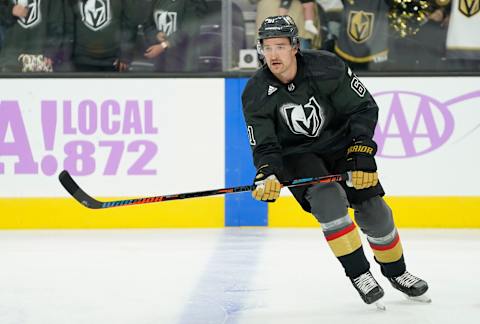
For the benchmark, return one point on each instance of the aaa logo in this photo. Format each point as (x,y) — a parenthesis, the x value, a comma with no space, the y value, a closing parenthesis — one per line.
(415,124)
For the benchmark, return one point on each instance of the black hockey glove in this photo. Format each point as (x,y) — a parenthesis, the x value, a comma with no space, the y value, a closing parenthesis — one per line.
(267,185)
(361,163)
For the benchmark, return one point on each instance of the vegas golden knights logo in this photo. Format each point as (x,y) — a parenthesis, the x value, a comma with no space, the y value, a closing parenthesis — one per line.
(469,7)
(166,21)
(34,14)
(360,25)
(95,13)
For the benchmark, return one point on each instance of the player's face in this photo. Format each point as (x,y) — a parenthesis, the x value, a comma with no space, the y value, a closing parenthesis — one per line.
(280,56)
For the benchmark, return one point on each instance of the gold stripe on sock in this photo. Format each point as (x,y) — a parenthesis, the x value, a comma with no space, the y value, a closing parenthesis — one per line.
(346,243)
(389,255)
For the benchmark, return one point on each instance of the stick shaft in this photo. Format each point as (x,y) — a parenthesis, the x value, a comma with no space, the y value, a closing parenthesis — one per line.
(82,197)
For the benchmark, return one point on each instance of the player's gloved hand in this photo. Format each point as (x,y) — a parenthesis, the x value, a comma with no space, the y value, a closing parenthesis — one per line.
(361,163)
(267,185)
(310,27)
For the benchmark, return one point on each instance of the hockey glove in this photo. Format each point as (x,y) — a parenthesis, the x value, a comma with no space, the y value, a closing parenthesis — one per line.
(267,185)
(361,163)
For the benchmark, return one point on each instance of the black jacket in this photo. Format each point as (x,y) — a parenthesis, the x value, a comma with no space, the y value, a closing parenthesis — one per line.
(100,32)
(180,21)
(40,32)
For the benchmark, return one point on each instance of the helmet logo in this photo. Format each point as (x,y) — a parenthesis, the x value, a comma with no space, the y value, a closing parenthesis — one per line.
(33,16)
(166,21)
(304,120)
(360,25)
(95,14)
(469,7)
(289,20)
(278,26)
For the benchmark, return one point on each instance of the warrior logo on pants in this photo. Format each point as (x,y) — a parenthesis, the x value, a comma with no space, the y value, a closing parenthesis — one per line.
(304,120)
(95,13)
(33,16)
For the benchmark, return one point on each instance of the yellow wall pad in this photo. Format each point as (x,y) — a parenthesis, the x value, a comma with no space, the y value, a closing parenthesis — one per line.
(66,213)
(414,212)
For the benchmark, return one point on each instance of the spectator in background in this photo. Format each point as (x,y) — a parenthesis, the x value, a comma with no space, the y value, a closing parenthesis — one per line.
(170,31)
(463,40)
(296,10)
(309,14)
(101,34)
(363,37)
(330,22)
(2,31)
(420,46)
(33,34)
(8,18)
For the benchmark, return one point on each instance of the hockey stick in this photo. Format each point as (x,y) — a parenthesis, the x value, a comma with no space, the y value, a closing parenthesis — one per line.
(82,197)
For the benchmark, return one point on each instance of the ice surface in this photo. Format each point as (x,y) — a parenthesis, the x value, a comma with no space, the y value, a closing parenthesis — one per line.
(234,275)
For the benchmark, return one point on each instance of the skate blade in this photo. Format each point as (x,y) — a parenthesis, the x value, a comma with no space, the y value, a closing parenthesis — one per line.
(420,299)
(380,305)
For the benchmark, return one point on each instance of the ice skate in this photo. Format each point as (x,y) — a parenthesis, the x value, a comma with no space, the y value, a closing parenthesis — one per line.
(369,289)
(413,287)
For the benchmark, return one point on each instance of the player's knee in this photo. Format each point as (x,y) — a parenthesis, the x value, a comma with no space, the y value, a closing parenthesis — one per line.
(327,201)
(374,217)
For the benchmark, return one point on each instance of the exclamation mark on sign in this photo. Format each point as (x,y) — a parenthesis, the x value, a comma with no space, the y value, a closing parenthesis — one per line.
(49,125)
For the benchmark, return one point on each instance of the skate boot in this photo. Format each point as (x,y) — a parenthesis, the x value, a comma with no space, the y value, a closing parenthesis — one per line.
(369,289)
(413,287)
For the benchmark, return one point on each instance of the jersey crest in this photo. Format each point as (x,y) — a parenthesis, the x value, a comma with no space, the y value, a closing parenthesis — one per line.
(96,14)
(34,15)
(305,119)
(469,7)
(166,21)
(360,25)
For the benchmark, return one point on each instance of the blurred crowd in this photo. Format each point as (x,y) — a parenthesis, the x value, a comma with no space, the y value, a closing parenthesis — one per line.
(186,35)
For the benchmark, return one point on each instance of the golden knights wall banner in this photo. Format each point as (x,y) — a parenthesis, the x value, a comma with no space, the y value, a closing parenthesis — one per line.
(360,25)
(469,7)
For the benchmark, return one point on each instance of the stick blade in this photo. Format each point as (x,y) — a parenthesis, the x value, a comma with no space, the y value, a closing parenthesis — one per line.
(76,192)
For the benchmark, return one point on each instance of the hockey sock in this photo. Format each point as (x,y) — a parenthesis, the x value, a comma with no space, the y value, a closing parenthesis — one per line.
(345,243)
(388,253)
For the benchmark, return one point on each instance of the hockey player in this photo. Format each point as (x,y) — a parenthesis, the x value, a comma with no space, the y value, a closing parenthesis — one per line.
(308,115)
(101,34)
